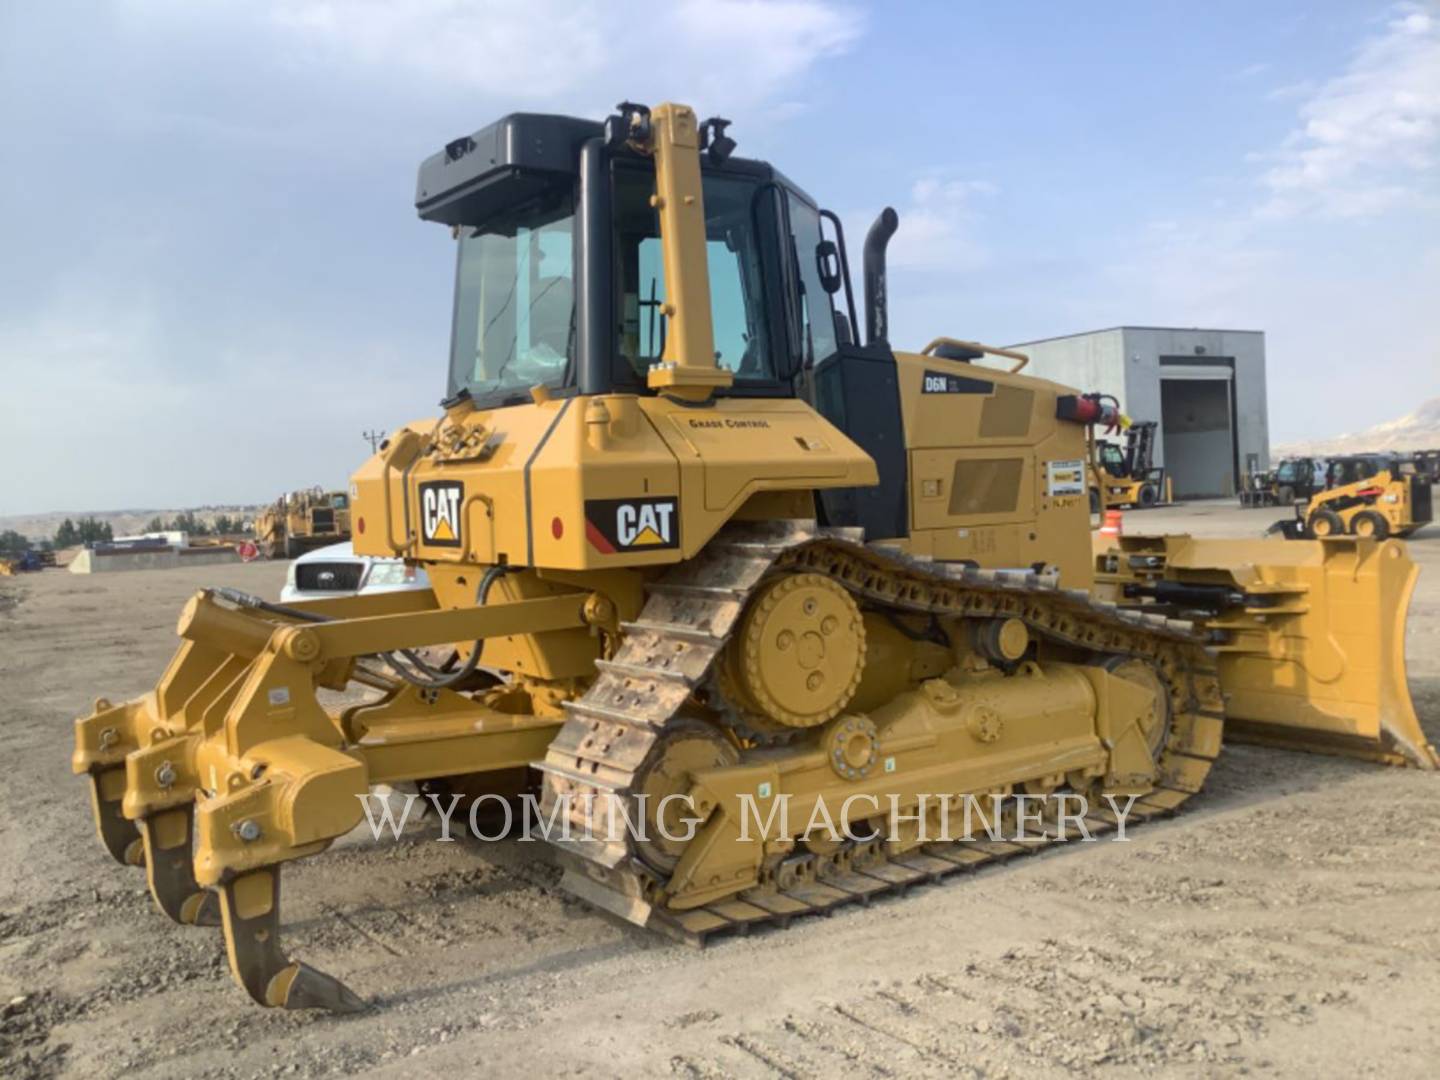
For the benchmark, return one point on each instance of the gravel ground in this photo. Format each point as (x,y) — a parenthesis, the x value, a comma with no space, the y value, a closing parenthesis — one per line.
(1285,924)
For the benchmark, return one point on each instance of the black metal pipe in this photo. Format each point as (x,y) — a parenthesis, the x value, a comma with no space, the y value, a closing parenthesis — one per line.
(593,317)
(877,319)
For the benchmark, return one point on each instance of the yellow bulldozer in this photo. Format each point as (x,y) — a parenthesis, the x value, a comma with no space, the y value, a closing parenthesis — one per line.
(298,521)
(698,555)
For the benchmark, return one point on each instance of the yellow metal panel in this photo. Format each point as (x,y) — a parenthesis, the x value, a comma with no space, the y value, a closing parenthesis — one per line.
(606,448)
(700,464)
(958,438)
(750,445)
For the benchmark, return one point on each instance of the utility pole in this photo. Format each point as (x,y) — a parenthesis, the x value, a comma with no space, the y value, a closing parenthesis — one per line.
(373,438)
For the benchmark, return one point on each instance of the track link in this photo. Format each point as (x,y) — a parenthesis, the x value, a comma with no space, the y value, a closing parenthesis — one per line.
(669,652)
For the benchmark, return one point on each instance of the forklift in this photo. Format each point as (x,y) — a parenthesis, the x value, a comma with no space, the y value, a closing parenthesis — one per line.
(1127,476)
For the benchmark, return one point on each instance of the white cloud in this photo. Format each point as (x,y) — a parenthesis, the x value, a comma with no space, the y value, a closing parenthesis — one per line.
(1368,138)
(546,52)
(1249,71)
(533,50)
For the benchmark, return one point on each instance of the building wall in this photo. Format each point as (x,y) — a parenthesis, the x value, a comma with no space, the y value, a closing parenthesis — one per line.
(1132,363)
(1088,362)
(1144,348)
(93,562)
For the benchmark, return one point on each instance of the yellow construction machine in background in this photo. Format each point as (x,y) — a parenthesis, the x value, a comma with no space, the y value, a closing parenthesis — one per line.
(687,538)
(302,520)
(1127,476)
(1394,502)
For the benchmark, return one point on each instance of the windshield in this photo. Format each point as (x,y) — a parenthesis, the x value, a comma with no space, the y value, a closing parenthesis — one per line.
(515,302)
(1286,471)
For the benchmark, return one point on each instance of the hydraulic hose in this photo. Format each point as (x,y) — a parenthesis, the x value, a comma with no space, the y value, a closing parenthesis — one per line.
(424,676)
(429,678)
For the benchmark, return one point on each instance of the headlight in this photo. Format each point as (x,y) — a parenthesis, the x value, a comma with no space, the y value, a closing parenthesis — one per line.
(389,573)
(290,575)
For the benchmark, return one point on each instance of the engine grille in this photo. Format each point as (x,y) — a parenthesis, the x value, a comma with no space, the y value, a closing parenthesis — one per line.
(323,520)
(328,576)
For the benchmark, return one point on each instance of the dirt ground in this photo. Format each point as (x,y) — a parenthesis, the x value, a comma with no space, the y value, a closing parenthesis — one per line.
(1287,923)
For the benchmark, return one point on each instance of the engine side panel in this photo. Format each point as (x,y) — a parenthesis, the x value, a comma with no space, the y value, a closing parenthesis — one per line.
(995,477)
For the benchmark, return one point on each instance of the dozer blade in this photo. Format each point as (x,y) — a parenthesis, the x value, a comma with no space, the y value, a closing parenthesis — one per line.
(1310,635)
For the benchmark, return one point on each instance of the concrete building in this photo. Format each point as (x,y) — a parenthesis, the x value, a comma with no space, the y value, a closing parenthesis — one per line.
(1205,387)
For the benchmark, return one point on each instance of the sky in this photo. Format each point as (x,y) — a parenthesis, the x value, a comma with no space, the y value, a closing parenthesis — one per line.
(213,282)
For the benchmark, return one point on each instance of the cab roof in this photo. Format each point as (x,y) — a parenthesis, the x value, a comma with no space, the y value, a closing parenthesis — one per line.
(521,156)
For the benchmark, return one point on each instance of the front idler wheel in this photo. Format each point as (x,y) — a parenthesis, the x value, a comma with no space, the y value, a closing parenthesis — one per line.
(687,747)
(1155,725)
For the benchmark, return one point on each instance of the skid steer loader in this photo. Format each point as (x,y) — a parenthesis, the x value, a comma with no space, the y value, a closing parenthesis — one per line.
(719,550)
(1396,501)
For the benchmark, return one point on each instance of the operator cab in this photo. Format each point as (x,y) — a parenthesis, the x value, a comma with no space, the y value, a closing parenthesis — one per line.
(1112,458)
(560,279)
(560,283)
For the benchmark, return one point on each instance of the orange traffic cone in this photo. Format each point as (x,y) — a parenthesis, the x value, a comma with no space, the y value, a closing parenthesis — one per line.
(1112,525)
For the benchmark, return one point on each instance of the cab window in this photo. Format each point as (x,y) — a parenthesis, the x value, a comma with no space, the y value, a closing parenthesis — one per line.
(817,316)
(515,302)
(737,297)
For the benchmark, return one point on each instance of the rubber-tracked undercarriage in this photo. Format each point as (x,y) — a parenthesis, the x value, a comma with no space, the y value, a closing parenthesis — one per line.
(706,564)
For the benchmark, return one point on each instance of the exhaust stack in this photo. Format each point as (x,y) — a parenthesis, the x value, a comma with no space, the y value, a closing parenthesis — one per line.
(877,320)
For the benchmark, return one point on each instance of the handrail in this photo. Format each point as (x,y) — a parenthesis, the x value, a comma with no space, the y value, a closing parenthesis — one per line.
(990,349)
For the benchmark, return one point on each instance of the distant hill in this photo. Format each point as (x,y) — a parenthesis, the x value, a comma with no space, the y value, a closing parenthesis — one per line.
(124,522)
(1419,430)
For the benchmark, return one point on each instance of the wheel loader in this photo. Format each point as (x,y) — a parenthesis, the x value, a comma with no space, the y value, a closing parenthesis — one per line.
(689,538)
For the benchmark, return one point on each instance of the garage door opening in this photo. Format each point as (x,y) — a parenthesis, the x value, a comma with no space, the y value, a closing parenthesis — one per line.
(1196,417)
